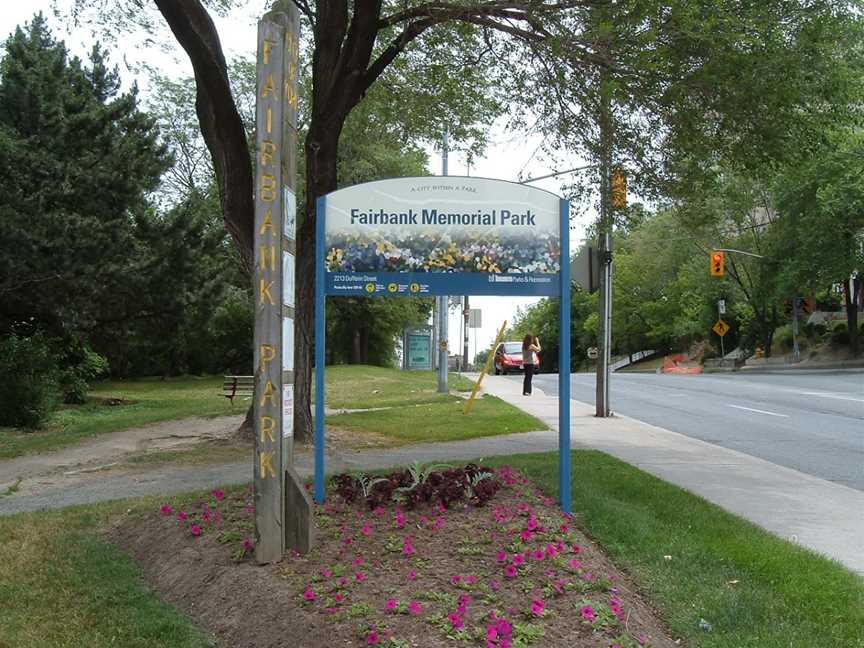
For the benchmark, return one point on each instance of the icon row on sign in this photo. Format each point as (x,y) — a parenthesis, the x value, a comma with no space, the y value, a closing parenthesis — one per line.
(394,287)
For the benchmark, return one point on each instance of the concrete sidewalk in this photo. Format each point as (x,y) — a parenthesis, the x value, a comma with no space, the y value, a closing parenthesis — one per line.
(820,515)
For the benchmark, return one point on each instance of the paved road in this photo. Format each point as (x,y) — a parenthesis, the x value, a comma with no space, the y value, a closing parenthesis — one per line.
(811,422)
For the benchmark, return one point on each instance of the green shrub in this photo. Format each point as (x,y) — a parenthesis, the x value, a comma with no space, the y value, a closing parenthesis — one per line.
(75,379)
(840,335)
(783,338)
(28,389)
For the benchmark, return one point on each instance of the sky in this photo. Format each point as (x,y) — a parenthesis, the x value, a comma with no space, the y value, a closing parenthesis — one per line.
(507,155)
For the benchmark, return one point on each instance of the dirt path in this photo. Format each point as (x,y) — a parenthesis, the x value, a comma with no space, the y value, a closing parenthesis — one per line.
(95,454)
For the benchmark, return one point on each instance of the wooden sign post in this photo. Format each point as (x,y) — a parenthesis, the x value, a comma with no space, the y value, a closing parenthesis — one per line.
(282,509)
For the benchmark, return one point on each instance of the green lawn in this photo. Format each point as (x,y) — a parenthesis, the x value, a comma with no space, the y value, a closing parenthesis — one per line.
(63,585)
(416,412)
(364,386)
(441,421)
(149,401)
(755,590)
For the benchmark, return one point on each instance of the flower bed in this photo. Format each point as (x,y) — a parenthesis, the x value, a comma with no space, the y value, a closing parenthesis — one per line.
(409,561)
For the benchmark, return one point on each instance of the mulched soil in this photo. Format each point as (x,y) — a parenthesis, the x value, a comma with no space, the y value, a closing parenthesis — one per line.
(436,578)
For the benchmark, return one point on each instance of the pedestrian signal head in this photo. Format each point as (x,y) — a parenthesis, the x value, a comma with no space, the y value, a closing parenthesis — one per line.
(718,262)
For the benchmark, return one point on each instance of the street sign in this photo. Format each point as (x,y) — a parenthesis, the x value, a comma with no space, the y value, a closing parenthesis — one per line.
(721,328)
(721,306)
(475,318)
(593,353)
(585,269)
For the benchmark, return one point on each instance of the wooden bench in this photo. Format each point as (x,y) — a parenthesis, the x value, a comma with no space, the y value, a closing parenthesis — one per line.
(238,386)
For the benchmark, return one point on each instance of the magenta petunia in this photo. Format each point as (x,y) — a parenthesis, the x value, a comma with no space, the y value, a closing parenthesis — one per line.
(456,579)
(455,620)
(166,509)
(525,536)
(357,561)
(248,544)
(574,563)
(587,613)
(551,551)
(218,494)
(391,604)
(412,575)
(372,638)
(182,515)
(309,594)
(379,511)
(518,559)
(195,530)
(471,579)
(338,597)
(360,577)
(415,608)
(326,573)
(539,554)
(510,571)
(501,556)
(537,606)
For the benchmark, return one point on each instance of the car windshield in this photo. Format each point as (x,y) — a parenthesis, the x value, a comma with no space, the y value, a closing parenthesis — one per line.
(513,347)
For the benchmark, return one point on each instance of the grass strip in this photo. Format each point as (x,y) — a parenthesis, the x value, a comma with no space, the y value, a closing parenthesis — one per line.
(440,421)
(365,386)
(63,585)
(753,589)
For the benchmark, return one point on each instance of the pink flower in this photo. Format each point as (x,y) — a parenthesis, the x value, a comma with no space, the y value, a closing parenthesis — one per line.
(455,579)
(391,604)
(338,597)
(564,528)
(343,580)
(357,561)
(539,555)
(400,519)
(378,511)
(360,577)
(181,515)
(510,571)
(551,551)
(249,509)
(576,549)
(642,639)
(518,559)
(491,632)
(166,509)
(218,494)
(408,546)
(248,544)
(195,530)
(326,573)
(588,576)
(537,607)
(367,528)
(412,575)
(456,620)
(414,607)
(471,579)
(574,564)
(347,541)
(525,536)
(587,613)
(372,638)
(207,516)
(309,595)
(532,523)
(494,585)
(501,556)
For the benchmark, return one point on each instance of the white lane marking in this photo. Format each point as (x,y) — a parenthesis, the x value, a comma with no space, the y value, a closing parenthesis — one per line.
(837,396)
(750,409)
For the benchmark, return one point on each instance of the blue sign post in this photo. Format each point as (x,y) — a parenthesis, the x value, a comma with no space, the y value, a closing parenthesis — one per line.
(430,236)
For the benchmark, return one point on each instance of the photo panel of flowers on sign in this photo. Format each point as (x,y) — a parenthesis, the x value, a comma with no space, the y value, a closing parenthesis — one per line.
(441,235)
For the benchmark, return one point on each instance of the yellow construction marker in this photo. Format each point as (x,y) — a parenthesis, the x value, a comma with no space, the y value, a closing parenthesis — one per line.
(483,373)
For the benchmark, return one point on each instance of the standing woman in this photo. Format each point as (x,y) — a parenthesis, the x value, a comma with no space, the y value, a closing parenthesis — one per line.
(530,347)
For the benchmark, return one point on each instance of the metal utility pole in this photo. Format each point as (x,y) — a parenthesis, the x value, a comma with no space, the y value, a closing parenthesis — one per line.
(443,303)
(466,313)
(602,408)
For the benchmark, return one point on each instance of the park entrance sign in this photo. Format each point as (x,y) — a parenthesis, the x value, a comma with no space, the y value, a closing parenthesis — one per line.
(451,235)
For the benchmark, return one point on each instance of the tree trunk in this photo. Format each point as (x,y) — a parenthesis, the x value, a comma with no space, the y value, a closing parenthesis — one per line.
(851,304)
(321,148)
(355,347)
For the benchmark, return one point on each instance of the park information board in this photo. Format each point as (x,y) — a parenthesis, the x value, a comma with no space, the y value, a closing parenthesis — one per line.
(426,236)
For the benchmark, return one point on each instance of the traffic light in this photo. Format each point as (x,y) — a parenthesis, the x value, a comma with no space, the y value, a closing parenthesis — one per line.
(619,189)
(718,260)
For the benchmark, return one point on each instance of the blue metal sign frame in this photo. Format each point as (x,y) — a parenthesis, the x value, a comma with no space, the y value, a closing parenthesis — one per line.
(449,283)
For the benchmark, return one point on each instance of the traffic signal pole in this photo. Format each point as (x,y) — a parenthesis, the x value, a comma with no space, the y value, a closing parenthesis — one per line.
(602,408)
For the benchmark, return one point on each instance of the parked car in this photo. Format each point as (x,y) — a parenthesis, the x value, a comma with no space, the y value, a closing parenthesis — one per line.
(508,358)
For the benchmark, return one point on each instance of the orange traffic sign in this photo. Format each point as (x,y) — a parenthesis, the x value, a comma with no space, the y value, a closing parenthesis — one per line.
(721,328)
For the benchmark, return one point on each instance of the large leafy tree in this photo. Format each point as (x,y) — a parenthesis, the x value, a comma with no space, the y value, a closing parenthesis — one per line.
(79,158)
(822,228)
